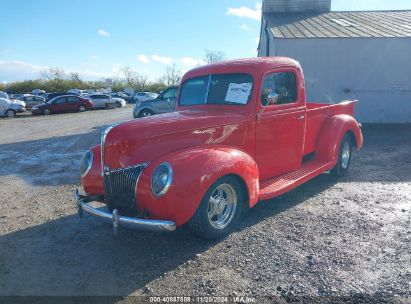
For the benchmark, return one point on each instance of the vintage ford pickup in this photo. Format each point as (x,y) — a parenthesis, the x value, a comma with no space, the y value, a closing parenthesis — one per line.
(243,132)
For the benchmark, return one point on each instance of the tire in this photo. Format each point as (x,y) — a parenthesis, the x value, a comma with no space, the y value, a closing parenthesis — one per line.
(118,105)
(10,113)
(46,112)
(145,113)
(82,108)
(206,222)
(344,157)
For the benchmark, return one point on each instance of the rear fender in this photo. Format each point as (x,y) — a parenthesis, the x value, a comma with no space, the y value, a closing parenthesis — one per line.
(332,132)
(194,171)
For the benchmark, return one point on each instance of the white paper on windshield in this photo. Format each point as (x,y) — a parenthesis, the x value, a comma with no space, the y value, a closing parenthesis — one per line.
(238,92)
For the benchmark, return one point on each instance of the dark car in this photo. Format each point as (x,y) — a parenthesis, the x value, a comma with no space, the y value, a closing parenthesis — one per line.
(63,104)
(50,96)
(124,96)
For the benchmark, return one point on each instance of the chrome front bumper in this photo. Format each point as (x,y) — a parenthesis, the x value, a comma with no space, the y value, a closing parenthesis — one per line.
(83,205)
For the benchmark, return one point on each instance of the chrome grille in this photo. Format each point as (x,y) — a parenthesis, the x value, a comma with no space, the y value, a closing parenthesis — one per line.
(120,188)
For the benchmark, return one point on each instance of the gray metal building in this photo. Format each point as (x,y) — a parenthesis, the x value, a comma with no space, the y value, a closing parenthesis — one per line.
(345,55)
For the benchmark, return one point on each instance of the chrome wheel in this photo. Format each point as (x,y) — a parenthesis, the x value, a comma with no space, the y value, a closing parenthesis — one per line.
(222,206)
(46,112)
(345,155)
(82,108)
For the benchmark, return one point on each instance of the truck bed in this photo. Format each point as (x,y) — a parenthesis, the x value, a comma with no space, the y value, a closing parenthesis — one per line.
(316,114)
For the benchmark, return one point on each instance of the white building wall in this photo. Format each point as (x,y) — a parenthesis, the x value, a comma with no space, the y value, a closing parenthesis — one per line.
(376,71)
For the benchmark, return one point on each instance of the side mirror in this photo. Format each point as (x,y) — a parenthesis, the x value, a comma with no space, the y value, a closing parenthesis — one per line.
(272,98)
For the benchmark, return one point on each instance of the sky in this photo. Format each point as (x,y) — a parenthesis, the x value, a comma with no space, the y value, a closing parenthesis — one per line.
(97,38)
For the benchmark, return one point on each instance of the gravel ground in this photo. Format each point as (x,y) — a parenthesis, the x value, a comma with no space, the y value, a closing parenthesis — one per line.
(345,239)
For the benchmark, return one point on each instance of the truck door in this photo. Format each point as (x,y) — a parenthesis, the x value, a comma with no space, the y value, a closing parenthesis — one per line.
(280,127)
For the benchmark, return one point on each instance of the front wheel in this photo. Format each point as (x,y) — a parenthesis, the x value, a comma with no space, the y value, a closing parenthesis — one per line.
(10,113)
(344,158)
(118,105)
(220,209)
(145,113)
(82,108)
(46,111)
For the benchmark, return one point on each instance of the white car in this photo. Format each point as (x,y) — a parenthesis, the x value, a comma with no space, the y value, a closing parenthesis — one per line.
(4,95)
(143,96)
(101,101)
(38,92)
(9,108)
(120,102)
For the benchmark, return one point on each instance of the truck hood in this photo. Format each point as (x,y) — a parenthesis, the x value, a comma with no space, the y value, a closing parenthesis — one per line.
(146,139)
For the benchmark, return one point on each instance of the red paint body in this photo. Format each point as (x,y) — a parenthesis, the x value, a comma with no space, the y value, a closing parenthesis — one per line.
(264,149)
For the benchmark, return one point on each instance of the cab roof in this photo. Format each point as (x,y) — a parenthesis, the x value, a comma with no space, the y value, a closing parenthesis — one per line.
(252,65)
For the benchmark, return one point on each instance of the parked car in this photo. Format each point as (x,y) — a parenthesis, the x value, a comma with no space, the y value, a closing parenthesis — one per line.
(144,96)
(101,101)
(127,98)
(63,104)
(9,108)
(31,100)
(50,96)
(4,95)
(164,103)
(243,132)
(119,102)
(21,104)
(38,92)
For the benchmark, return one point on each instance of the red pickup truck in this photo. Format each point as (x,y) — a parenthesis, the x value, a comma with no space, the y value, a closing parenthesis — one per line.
(243,132)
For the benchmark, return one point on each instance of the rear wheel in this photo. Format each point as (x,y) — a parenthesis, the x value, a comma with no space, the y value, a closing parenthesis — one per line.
(118,104)
(46,111)
(344,157)
(10,113)
(146,113)
(220,209)
(82,108)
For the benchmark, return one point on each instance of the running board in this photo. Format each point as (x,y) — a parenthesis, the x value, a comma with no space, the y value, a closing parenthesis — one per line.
(284,183)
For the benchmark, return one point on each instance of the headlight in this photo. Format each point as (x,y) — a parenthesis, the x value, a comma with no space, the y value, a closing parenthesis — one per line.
(86,163)
(161,179)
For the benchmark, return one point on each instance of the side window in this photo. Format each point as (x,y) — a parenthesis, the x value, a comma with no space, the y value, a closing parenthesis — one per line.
(284,84)
(171,93)
(60,100)
(72,99)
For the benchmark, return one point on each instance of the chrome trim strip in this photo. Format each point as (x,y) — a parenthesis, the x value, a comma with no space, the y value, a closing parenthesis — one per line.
(144,165)
(123,221)
(208,89)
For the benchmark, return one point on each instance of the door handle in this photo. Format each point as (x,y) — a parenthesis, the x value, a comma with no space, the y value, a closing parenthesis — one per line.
(301,117)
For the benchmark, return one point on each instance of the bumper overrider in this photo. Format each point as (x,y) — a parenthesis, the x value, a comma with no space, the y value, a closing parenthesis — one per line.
(83,205)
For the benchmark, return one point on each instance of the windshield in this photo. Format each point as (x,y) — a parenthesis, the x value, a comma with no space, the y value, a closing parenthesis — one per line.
(226,89)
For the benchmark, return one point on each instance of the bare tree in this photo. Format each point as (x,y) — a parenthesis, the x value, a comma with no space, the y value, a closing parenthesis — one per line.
(214,56)
(172,76)
(130,75)
(53,73)
(74,76)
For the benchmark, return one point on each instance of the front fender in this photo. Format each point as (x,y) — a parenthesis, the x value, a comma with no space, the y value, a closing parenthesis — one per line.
(194,171)
(93,182)
(331,134)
